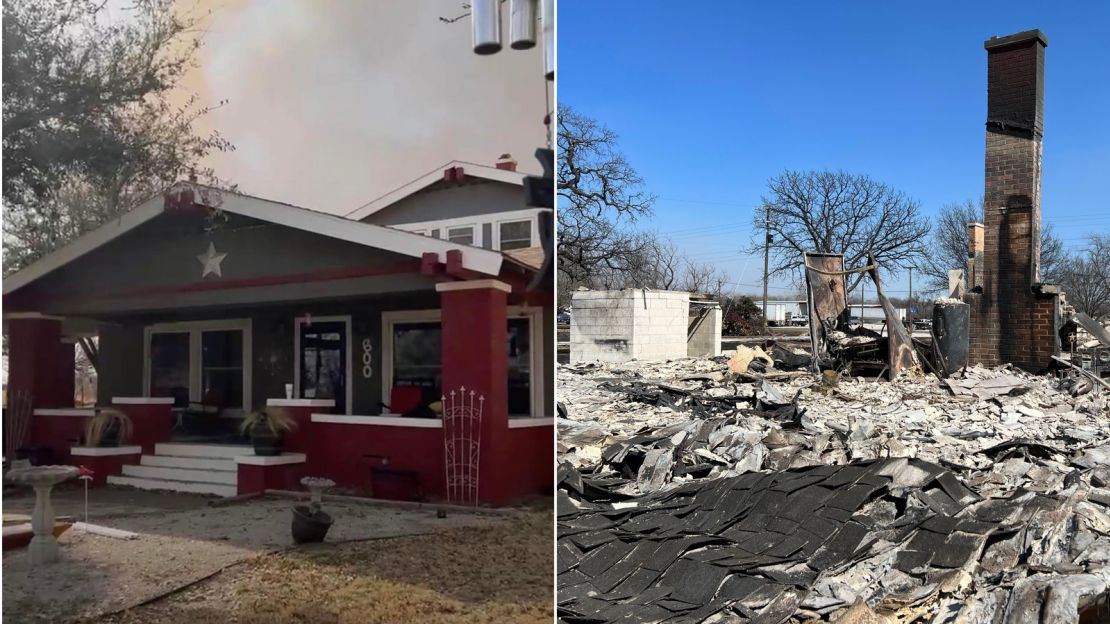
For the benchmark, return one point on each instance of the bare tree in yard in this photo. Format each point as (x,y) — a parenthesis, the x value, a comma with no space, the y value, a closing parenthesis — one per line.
(1085,277)
(841,213)
(92,122)
(667,266)
(601,197)
(948,246)
(703,278)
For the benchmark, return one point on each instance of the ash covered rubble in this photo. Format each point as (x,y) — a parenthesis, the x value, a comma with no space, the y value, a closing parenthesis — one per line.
(690,492)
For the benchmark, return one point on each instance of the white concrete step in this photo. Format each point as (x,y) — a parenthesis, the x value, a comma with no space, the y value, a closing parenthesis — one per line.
(212,451)
(194,463)
(174,486)
(182,474)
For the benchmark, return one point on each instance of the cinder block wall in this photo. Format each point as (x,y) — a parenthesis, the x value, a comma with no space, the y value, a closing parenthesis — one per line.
(601,326)
(620,325)
(706,341)
(661,321)
(1007,318)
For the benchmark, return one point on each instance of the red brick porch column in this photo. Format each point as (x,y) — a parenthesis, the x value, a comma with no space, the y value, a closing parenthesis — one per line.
(39,363)
(474,354)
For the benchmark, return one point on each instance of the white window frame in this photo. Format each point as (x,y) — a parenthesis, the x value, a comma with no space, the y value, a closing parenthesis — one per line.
(478,221)
(301,320)
(533,235)
(533,313)
(194,329)
(469,226)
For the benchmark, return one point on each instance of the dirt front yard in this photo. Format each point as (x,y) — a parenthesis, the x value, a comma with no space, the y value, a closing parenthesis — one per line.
(193,563)
(500,573)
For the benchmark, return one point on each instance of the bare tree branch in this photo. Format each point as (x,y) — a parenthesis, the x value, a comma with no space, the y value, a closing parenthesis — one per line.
(89,125)
(1085,277)
(842,213)
(601,197)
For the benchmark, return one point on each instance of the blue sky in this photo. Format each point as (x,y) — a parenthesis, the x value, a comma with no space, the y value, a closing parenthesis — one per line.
(711,99)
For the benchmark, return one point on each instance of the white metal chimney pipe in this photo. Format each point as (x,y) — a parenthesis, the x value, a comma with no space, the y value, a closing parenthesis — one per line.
(485,21)
(549,39)
(522,24)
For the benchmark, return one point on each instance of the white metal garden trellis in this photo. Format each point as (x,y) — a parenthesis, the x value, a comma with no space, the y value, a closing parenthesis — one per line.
(462,439)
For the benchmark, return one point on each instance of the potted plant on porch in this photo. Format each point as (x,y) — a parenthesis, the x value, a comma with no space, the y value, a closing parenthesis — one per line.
(108,427)
(266,429)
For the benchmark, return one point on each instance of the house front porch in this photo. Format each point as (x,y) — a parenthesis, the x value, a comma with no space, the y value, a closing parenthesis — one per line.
(358,332)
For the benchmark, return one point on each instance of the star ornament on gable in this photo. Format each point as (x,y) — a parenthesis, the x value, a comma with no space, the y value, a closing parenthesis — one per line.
(211,261)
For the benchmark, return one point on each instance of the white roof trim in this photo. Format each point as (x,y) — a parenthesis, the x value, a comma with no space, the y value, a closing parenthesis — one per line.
(471,169)
(379,237)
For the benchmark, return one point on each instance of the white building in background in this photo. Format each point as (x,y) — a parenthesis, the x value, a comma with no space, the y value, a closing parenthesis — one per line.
(781,312)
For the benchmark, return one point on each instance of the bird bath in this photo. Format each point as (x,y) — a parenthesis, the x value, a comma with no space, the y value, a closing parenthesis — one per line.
(43,547)
(317,485)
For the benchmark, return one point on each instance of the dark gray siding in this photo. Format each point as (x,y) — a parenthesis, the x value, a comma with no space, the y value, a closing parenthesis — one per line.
(272,345)
(121,347)
(163,253)
(121,357)
(481,197)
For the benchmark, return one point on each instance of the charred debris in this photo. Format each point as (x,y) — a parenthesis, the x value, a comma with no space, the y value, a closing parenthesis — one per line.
(780,485)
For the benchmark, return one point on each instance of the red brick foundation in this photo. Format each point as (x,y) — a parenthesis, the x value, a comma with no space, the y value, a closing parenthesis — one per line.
(152,419)
(104,465)
(259,477)
(58,430)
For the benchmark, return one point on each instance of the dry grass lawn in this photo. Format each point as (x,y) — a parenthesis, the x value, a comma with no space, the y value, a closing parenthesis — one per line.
(494,574)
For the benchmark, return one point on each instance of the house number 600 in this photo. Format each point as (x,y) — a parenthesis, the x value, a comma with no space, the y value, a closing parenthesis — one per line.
(367,355)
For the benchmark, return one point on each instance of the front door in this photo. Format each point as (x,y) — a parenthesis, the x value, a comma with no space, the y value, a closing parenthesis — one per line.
(323,360)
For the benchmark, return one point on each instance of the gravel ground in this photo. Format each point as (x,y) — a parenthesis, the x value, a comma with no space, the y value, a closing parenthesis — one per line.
(500,573)
(181,542)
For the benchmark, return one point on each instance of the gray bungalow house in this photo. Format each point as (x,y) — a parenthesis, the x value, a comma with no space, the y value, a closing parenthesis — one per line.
(356,325)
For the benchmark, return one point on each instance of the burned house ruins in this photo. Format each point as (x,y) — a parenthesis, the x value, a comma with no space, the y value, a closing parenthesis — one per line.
(779,486)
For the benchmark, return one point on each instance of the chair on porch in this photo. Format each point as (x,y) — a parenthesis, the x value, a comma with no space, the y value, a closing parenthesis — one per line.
(202,417)
(404,399)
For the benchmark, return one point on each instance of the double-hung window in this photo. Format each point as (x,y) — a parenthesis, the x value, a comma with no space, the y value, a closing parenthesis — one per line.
(515,234)
(463,235)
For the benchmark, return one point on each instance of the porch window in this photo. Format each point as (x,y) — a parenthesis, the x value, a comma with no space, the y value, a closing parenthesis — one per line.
(515,234)
(416,358)
(222,367)
(169,366)
(520,366)
(206,361)
(413,351)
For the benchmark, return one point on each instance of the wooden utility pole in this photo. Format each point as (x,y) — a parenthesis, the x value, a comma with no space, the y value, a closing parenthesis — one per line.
(766,260)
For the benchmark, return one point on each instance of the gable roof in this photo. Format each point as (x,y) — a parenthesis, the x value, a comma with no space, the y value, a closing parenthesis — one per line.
(471,169)
(376,236)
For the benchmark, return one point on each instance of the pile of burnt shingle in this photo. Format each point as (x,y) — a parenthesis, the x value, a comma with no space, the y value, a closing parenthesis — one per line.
(717,440)
(897,536)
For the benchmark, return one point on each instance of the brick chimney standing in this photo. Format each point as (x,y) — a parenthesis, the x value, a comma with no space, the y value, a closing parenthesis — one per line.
(1013,317)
